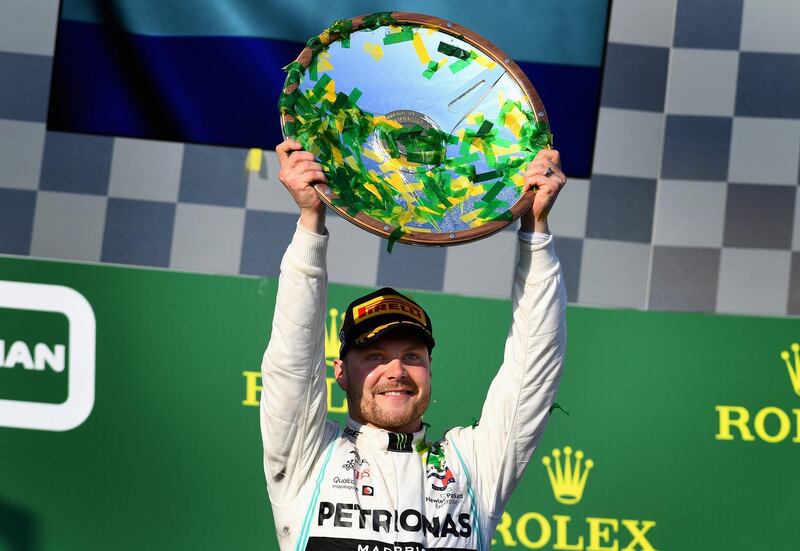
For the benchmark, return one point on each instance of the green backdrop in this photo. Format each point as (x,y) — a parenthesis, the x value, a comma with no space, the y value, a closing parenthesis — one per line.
(690,421)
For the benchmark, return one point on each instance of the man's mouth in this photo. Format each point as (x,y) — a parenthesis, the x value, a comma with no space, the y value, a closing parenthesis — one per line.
(398,392)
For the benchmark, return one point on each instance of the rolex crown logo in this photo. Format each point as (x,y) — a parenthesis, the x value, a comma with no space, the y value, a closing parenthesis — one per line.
(568,480)
(332,336)
(794,370)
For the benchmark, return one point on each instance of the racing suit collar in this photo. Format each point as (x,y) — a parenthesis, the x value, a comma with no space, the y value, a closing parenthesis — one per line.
(379,439)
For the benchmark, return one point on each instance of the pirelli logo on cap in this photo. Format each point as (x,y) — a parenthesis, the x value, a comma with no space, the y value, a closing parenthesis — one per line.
(385,305)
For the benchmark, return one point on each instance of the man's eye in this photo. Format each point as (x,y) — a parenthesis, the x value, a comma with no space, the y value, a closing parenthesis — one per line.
(413,356)
(373,356)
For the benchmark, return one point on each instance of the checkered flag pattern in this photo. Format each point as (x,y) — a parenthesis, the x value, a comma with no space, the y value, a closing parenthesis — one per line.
(692,204)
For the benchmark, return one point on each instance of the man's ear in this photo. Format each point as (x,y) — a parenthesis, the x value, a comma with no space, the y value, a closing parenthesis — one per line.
(340,373)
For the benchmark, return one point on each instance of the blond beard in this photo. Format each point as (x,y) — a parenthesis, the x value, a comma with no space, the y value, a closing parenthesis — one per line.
(368,412)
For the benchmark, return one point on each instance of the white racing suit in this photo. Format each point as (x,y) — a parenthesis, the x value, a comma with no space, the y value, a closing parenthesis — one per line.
(360,488)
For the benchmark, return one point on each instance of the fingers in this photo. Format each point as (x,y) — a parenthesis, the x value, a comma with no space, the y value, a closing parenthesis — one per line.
(301,159)
(544,175)
(551,155)
(297,165)
(299,173)
(305,172)
(299,168)
(285,148)
(312,176)
(545,171)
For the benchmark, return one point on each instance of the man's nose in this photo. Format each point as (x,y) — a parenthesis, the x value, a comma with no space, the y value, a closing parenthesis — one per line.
(395,368)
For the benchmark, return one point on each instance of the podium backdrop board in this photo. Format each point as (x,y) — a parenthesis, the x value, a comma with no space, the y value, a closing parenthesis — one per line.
(690,421)
(169,71)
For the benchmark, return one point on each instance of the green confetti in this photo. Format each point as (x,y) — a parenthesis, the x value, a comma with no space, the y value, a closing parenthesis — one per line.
(406,35)
(433,66)
(452,50)
(462,64)
(354,96)
(484,129)
(319,88)
(489,196)
(379,19)
(394,237)
(484,176)
(471,158)
(312,68)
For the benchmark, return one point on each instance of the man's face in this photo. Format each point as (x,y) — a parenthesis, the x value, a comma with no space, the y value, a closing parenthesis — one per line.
(388,382)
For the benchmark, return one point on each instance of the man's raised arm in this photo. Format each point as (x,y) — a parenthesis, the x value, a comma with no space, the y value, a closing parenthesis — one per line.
(517,406)
(293,399)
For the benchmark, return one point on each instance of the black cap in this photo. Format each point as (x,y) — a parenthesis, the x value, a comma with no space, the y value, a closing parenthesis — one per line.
(373,315)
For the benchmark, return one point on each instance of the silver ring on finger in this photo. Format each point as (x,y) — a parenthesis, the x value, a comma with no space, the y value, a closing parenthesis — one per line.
(548,172)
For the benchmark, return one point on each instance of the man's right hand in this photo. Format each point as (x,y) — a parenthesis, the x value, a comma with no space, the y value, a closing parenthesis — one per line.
(299,173)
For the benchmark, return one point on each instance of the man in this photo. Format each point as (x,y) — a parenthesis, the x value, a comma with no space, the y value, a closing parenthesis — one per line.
(378,484)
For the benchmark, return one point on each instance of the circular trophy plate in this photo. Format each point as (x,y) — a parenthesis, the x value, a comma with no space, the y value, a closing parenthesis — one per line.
(424,129)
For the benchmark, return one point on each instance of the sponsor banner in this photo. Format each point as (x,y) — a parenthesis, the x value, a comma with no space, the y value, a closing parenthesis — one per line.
(47,347)
(129,397)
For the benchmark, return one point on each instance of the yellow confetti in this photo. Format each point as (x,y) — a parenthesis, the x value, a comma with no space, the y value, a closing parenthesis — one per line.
(330,91)
(398,164)
(382,119)
(475,118)
(397,182)
(324,61)
(422,52)
(505,150)
(518,179)
(423,208)
(337,155)
(417,230)
(352,163)
(405,190)
(514,121)
(485,61)
(375,50)
(460,183)
(372,189)
(254,159)
(404,217)
(369,153)
(389,166)
(470,216)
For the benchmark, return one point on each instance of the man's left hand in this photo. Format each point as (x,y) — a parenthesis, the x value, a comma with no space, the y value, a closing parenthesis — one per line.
(545,176)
